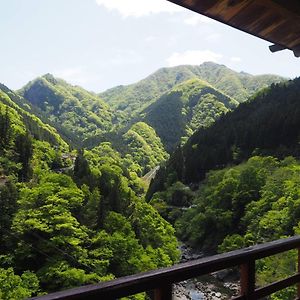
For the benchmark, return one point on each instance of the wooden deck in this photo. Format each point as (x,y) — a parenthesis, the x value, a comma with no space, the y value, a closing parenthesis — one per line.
(161,280)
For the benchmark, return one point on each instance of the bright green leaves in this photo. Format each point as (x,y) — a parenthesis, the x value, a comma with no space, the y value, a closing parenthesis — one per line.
(77,111)
(155,232)
(15,287)
(46,222)
(144,146)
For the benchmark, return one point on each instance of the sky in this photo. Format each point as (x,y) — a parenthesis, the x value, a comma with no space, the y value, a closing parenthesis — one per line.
(99,44)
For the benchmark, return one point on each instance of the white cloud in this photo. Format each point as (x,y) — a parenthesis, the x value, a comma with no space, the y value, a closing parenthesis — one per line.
(138,8)
(197,19)
(235,59)
(193,57)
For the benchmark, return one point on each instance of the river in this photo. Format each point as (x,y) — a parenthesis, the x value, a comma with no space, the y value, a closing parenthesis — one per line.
(217,286)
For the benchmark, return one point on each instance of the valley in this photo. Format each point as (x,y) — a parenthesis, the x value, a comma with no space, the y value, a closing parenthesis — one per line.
(96,186)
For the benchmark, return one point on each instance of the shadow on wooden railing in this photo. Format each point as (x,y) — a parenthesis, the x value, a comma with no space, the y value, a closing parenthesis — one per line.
(161,280)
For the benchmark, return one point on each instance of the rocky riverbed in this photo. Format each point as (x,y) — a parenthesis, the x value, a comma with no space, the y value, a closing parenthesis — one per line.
(217,286)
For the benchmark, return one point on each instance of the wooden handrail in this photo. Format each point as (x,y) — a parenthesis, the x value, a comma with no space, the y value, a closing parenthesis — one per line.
(161,280)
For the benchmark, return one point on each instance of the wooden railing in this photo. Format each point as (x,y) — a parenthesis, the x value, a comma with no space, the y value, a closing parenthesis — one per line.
(161,280)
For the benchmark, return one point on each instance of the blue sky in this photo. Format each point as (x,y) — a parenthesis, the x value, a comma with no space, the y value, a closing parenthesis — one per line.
(99,44)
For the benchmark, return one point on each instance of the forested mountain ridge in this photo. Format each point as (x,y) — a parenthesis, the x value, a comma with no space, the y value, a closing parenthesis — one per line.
(80,217)
(267,123)
(9,100)
(81,113)
(236,183)
(133,98)
(88,225)
(144,147)
(177,114)
(139,143)
(186,107)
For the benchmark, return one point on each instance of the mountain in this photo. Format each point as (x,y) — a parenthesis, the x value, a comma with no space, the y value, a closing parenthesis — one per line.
(84,119)
(186,107)
(236,183)
(81,217)
(28,121)
(73,218)
(144,147)
(132,99)
(139,144)
(177,114)
(266,124)
(80,113)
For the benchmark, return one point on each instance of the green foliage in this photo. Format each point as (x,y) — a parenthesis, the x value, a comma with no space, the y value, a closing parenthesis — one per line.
(185,108)
(144,147)
(237,207)
(92,223)
(266,125)
(222,202)
(78,111)
(8,204)
(70,234)
(15,287)
(134,98)
(21,118)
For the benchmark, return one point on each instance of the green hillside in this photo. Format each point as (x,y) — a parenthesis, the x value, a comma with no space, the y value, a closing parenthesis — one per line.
(80,113)
(83,118)
(139,144)
(188,106)
(236,183)
(267,123)
(9,100)
(67,223)
(70,218)
(144,147)
(133,98)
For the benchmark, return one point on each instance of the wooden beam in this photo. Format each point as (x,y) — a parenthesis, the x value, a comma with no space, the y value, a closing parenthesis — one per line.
(276,286)
(163,293)
(247,271)
(152,280)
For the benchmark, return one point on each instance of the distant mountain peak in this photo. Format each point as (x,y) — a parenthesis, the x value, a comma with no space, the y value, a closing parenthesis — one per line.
(133,98)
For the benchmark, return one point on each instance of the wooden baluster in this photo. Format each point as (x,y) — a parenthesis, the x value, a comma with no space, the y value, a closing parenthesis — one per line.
(163,293)
(248,279)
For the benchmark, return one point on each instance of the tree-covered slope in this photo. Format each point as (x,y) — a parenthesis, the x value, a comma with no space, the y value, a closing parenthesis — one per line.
(186,107)
(240,206)
(81,113)
(133,98)
(268,123)
(223,190)
(139,143)
(29,122)
(239,85)
(87,225)
(144,147)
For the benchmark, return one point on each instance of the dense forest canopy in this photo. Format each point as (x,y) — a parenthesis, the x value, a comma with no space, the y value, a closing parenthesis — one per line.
(236,183)
(74,198)
(81,113)
(84,226)
(186,107)
(134,98)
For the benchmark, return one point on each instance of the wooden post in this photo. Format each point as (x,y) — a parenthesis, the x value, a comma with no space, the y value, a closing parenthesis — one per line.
(248,279)
(163,293)
(298,268)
